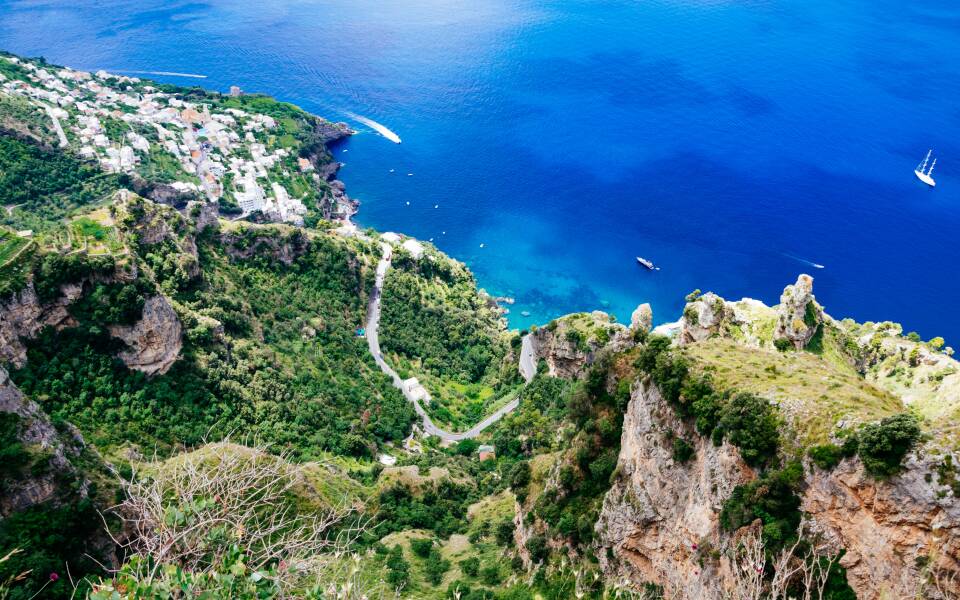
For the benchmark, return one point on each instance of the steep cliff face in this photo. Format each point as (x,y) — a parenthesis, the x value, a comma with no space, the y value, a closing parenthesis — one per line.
(661,518)
(278,243)
(149,224)
(892,530)
(154,342)
(51,469)
(24,315)
(661,515)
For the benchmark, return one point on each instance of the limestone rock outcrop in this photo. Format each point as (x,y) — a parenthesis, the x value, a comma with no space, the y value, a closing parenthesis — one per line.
(153,224)
(642,318)
(798,314)
(571,344)
(163,193)
(154,342)
(659,512)
(282,244)
(703,317)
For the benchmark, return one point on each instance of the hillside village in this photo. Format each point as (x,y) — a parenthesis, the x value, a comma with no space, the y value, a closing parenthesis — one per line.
(208,149)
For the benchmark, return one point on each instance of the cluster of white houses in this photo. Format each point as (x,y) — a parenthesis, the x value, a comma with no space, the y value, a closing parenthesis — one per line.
(85,110)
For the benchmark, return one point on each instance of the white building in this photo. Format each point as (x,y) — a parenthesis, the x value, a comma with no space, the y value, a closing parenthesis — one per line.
(251,198)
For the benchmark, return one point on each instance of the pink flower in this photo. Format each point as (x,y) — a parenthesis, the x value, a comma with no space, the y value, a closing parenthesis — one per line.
(694,546)
(54,577)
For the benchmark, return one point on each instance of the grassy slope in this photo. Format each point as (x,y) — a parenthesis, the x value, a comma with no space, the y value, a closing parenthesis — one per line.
(814,394)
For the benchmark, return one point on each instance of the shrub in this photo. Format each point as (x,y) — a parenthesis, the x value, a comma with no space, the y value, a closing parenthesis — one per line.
(783,344)
(520,476)
(467,447)
(505,533)
(703,403)
(883,445)
(749,422)
(826,456)
(850,446)
(771,498)
(490,574)
(537,547)
(682,450)
(470,566)
(398,569)
(14,456)
(421,546)
(435,566)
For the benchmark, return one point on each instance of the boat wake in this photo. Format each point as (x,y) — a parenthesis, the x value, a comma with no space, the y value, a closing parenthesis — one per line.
(804,261)
(381,129)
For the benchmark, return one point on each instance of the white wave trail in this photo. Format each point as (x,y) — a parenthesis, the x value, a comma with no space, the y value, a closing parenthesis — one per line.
(804,261)
(381,129)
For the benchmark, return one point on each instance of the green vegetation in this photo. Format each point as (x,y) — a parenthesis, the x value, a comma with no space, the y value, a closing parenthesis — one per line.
(772,498)
(314,393)
(825,456)
(820,391)
(431,312)
(15,263)
(436,327)
(572,508)
(745,420)
(884,445)
(61,531)
(750,424)
(440,507)
(46,185)
(682,450)
(52,536)
(270,353)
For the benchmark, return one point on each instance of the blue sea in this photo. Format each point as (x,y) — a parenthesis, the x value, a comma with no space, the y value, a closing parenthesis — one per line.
(735,143)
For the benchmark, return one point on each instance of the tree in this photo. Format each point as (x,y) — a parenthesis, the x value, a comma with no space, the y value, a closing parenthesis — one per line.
(505,533)
(421,546)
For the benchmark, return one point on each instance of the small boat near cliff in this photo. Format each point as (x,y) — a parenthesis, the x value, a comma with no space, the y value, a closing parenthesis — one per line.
(646,263)
(923,173)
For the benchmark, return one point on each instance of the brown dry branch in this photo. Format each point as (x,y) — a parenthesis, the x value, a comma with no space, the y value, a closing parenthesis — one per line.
(191,511)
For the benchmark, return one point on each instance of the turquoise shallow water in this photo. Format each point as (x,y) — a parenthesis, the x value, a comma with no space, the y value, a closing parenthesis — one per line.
(732,143)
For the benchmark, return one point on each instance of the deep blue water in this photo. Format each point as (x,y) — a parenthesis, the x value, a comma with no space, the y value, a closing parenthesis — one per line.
(727,140)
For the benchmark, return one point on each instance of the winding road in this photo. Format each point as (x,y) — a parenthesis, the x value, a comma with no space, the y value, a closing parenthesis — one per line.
(527,364)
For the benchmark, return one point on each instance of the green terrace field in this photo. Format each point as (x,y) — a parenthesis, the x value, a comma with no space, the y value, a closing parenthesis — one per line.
(14,266)
(11,246)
